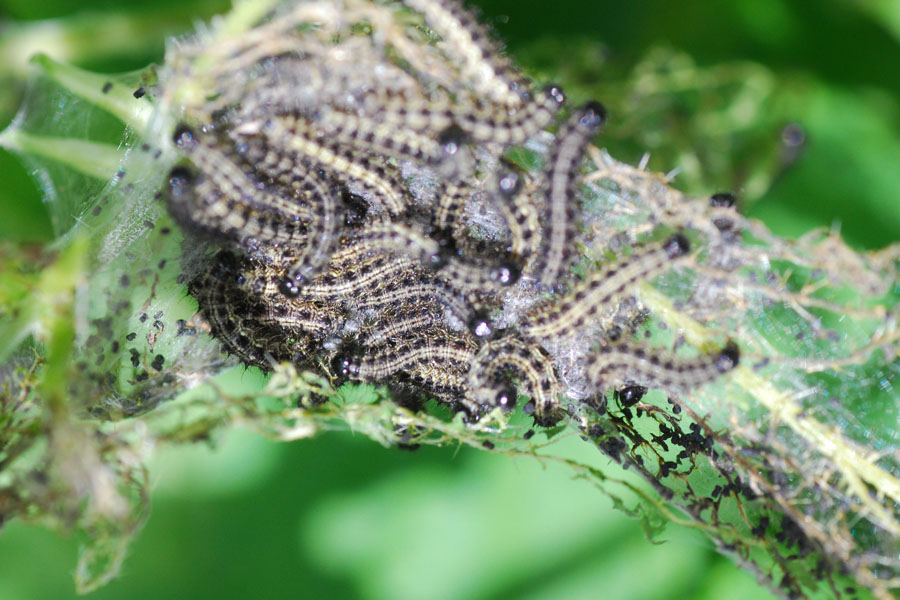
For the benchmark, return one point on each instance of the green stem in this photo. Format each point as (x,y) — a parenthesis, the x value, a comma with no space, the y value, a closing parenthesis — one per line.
(54,321)
(244,15)
(93,159)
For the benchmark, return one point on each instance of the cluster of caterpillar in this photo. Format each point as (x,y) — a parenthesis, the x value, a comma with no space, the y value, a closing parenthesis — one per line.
(295,169)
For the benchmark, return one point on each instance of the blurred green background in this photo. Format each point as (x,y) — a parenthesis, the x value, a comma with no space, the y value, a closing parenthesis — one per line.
(792,104)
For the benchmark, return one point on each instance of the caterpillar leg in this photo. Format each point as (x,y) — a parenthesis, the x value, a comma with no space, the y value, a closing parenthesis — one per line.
(488,384)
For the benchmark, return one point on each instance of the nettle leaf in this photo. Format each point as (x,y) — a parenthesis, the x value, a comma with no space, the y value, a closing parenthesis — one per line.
(789,463)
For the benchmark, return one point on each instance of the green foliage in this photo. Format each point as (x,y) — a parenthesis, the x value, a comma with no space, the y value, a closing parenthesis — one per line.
(815,419)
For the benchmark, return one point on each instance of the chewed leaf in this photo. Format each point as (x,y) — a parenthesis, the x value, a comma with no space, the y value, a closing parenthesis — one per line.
(750,381)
